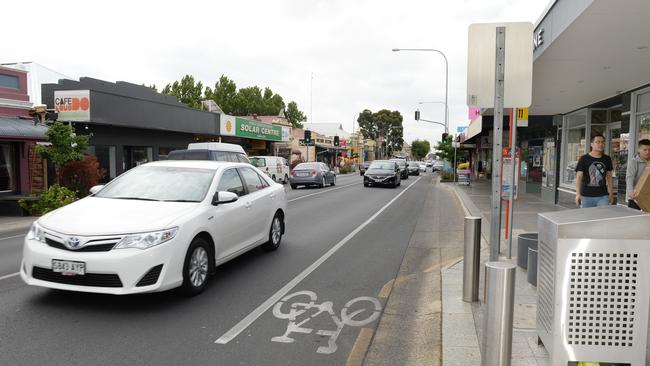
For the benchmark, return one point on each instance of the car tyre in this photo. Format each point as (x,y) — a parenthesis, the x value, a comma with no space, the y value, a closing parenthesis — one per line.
(275,234)
(273,177)
(322,183)
(333,181)
(197,267)
(294,186)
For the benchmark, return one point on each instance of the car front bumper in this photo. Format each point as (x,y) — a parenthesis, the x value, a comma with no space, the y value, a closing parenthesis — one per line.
(390,180)
(117,271)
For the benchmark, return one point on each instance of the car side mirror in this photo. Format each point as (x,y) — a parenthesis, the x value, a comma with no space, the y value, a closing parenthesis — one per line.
(96,189)
(222,197)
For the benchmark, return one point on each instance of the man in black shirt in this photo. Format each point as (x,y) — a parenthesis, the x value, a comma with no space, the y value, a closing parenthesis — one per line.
(594,184)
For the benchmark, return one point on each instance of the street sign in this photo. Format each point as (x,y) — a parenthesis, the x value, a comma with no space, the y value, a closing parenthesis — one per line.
(506,176)
(522,117)
(481,61)
(460,129)
(473,113)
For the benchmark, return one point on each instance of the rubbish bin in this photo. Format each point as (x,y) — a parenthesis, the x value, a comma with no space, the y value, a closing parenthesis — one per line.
(532,264)
(525,241)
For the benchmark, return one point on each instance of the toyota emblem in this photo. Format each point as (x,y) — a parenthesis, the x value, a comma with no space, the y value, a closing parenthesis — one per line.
(72,242)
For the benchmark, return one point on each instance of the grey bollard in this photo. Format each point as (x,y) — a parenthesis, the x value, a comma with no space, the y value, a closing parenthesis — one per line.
(532,266)
(525,241)
(497,333)
(471,258)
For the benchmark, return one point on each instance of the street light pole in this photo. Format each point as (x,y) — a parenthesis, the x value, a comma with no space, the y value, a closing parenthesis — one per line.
(446,78)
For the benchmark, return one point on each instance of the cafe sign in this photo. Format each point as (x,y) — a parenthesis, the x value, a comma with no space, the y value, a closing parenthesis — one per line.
(242,127)
(72,105)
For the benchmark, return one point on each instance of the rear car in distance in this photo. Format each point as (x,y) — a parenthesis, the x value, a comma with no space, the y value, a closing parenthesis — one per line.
(403,167)
(363,167)
(159,226)
(217,151)
(275,167)
(423,167)
(312,174)
(413,168)
(382,173)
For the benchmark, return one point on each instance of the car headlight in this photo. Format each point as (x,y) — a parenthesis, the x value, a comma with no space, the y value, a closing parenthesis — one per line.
(146,240)
(36,233)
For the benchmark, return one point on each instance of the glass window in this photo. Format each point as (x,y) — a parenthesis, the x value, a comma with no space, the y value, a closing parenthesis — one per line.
(9,81)
(598,116)
(231,182)
(643,102)
(7,168)
(252,179)
(644,126)
(163,152)
(149,183)
(106,157)
(258,162)
(575,147)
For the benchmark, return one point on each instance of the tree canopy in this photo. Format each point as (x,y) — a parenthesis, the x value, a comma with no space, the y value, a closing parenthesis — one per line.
(420,149)
(445,150)
(384,123)
(238,102)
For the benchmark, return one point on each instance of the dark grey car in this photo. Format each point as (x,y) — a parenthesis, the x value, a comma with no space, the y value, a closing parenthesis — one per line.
(382,173)
(403,168)
(312,174)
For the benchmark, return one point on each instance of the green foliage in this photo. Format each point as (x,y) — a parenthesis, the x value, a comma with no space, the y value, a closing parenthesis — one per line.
(294,115)
(187,91)
(223,94)
(384,123)
(345,169)
(420,149)
(80,176)
(65,144)
(445,150)
(55,197)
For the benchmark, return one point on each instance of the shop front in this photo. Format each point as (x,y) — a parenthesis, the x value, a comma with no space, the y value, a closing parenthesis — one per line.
(257,138)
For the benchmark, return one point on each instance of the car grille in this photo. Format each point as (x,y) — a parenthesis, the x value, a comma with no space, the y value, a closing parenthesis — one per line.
(107,245)
(89,279)
(151,277)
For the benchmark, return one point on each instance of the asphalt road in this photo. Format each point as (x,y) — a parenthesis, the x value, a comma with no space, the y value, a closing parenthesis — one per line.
(323,304)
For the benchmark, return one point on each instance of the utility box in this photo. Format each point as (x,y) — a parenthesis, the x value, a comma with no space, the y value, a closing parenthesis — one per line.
(593,285)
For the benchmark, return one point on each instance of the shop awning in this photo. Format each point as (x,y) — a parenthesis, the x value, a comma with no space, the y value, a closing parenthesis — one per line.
(331,148)
(21,129)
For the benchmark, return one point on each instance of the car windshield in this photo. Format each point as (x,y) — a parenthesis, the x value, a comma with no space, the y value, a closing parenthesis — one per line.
(258,162)
(401,163)
(307,166)
(157,183)
(414,164)
(382,166)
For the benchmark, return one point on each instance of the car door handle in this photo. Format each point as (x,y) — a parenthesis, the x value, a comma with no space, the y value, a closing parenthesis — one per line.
(272,195)
(248,204)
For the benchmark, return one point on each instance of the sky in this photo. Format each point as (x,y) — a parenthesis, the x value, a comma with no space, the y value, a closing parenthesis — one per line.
(333,57)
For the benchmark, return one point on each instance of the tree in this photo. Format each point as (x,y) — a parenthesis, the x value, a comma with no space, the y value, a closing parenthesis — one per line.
(294,115)
(65,146)
(445,150)
(366,125)
(187,91)
(389,125)
(420,149)
(223,94)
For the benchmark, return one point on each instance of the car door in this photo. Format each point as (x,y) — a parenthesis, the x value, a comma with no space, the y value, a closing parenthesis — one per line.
(229,218)
(326,173)
(258,201)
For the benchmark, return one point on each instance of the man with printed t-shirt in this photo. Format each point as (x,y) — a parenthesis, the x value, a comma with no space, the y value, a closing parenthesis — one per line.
(594,183)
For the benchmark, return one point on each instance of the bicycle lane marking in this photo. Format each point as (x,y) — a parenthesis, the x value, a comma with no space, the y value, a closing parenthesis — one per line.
(298,323)
(262,308)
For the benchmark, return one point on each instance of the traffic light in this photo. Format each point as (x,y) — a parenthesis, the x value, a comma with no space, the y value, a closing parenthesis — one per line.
(336,141)
(307,137)
(417,115)
(444,136)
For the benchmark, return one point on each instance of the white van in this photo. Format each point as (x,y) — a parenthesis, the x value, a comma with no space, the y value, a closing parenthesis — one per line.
(275,167)
(219,151)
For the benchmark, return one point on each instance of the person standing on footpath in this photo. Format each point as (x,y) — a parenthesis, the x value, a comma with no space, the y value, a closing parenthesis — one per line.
(594,183)
(635,168)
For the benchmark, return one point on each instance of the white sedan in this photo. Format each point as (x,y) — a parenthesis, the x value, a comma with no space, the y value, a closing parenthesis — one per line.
(158,226)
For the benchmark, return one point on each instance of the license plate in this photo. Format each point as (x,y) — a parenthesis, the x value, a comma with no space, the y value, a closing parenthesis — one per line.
(302,174)
(68,268)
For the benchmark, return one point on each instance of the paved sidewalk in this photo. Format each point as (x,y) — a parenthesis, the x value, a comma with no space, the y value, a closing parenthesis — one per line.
(12,223)
(409,331)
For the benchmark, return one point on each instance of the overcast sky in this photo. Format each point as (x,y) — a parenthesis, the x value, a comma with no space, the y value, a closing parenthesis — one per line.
(346,44)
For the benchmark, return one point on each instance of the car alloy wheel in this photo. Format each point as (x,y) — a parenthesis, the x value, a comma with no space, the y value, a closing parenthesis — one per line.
(275,234)
(196,268)
(322,182)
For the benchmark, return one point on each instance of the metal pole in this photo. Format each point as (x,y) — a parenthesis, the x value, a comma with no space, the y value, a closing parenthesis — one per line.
(454,167)
(471,258)
(497,333)
(513,180)
(495,217)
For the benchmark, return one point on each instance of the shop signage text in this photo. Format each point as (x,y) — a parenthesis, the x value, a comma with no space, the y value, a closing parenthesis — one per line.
(72,105)
(538,38)
(242,127)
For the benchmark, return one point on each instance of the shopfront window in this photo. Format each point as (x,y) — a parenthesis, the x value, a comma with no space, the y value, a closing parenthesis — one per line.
(7,167)
(106,157)
(575,146)
(137,155)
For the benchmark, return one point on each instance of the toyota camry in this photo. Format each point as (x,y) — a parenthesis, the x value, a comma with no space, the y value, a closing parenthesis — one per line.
(156,227)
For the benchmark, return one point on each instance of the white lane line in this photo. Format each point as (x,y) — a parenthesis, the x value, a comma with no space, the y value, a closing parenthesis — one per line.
(250,318)
(321,192)
(11,237)
(9,276)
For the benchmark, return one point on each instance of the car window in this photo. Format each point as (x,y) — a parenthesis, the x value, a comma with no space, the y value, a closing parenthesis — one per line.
(252,179)
(220,156)
(231,182)
(258,162)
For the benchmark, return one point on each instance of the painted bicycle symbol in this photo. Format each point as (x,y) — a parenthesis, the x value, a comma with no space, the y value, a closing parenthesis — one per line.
(301,307)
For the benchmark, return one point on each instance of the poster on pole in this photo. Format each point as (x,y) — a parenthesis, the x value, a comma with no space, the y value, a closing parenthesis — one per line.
(506,175)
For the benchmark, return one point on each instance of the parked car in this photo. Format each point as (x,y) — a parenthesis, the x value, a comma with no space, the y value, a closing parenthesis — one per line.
(423,167)
(312,174)
(158,226)
(383,173)
(438,165)
(363,167)
(218,151)
(275,167)
(413,168)
(429,163)
(401,163)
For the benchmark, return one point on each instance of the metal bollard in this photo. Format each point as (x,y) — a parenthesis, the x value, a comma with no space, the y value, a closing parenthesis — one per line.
(472,256)
(497,333)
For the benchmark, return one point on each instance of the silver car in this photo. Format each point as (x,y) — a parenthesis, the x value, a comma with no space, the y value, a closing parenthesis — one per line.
(312,174)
